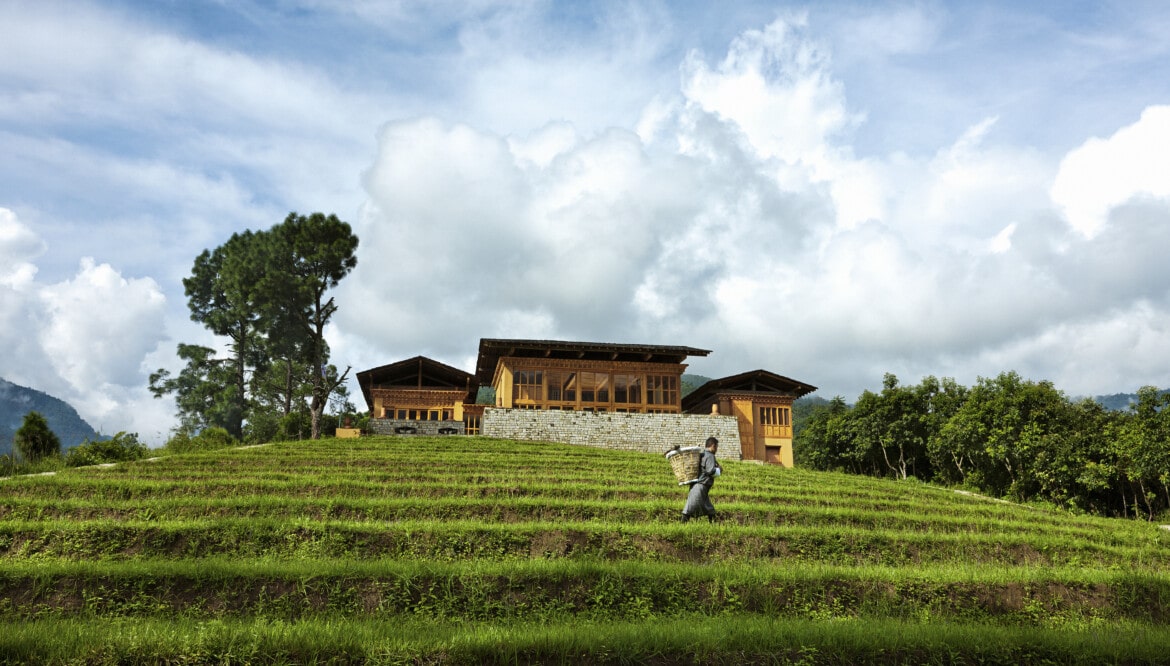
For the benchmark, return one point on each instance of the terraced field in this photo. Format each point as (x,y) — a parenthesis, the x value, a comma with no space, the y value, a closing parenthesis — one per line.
(471,550)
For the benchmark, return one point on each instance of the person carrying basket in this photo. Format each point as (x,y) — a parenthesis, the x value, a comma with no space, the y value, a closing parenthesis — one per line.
(698,499)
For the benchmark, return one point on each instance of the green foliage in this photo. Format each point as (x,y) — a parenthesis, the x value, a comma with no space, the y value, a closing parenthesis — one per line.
(204,390)
(34,440)
(208,439)
(122,447)
(266,292)
(1006,437)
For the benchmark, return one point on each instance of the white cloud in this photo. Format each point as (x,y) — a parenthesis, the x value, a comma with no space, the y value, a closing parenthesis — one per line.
(1104,173)
(100,325)
(831,195)
(738,219)
(18,246)
(84,340)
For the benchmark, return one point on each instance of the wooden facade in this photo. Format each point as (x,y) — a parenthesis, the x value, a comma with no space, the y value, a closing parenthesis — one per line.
(417,389)
(584,376)
(761,401)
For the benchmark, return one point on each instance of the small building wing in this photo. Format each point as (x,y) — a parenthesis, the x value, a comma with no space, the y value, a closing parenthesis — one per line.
(419,372)
(755,381)
(761,402)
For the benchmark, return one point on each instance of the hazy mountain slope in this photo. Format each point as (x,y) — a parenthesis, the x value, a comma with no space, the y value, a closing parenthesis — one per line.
(16,401)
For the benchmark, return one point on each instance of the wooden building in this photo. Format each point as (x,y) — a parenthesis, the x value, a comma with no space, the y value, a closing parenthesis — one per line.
(584,376)
(418,390)
(420,395)
(761,401)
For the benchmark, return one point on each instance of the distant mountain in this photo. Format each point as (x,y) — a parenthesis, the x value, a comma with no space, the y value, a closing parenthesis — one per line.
(692,382)
(1117,402)
(16,401)
(1120,402)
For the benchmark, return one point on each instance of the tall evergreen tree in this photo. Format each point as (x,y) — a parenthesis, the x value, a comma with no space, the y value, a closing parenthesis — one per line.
(314,253)
(34,439)
(267,293)
(224,295)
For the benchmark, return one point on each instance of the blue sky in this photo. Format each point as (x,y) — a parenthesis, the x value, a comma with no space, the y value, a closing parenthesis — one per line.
(829,191)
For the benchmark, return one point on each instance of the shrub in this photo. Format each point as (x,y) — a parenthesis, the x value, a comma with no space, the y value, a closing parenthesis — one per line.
(122,447)
(35,440)
(208,439)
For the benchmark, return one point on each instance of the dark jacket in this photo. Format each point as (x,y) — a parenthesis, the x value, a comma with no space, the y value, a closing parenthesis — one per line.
(707,467)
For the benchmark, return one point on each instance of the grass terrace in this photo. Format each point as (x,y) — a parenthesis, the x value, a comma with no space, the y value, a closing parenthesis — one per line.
(461,550)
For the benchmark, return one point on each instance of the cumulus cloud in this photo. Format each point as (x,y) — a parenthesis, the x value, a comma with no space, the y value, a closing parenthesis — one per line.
(18,246)
(83,340)
(738,217)
(1104,173)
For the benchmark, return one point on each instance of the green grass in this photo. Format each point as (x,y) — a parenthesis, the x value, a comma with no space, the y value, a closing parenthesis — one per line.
(725,640)
(472,550)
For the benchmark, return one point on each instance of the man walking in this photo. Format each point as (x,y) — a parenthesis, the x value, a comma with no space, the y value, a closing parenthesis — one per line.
(698,501)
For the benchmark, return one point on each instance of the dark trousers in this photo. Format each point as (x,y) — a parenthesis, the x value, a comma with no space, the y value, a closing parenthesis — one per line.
(698,502)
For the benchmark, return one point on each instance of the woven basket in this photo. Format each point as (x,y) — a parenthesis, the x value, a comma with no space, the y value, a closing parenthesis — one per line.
(685,463)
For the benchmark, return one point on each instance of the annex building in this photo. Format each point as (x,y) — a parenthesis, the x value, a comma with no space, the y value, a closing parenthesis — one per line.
(613,395)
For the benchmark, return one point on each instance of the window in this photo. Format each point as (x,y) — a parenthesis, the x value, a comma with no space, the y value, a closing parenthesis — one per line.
(562,386)
(627,389)
(776,421)
(662,390)
(528,385)
(472,423)
(595,387)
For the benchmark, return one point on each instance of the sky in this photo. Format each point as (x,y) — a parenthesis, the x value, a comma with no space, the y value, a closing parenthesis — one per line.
(830,191)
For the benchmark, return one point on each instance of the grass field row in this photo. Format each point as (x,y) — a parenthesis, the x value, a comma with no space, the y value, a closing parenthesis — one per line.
(448,540)
(469,550)
(729,640)
(560,591)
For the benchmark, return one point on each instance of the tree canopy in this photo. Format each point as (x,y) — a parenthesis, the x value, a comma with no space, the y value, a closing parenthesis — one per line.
(34,439)
(266,292)
(1006,437)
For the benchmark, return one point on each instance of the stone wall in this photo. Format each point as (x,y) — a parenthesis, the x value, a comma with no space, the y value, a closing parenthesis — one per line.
(650,433)
(412,427)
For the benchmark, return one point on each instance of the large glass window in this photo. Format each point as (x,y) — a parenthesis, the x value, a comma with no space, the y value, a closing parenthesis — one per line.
(562,386)
(594,387)
(528,385)
(661,390)
(627,389)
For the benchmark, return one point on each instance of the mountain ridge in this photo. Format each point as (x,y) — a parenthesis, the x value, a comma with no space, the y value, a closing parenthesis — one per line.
(16,401)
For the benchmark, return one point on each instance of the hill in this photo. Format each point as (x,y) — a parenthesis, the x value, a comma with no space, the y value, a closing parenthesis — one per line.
(469,550)
(16,401)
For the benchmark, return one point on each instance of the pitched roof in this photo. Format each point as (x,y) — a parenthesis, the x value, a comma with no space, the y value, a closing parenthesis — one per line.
(755,381)
(417,372)
(492,349)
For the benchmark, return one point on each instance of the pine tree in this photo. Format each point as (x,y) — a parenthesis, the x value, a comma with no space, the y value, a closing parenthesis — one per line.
(35,440)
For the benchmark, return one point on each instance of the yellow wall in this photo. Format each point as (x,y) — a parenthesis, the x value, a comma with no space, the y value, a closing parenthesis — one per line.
(755,443)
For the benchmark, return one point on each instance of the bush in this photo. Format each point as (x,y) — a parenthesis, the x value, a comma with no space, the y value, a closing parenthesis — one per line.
(295,426)
(208,439)
(122,447)
(35,440)
(262,426)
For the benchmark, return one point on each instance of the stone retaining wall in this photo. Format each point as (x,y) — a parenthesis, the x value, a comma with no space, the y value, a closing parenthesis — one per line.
(650,433)
(412,427)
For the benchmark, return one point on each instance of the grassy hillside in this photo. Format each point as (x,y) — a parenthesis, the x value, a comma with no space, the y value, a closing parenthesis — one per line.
(470,550)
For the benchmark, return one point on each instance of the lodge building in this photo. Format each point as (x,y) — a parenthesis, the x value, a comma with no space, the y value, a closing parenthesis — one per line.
(615,395)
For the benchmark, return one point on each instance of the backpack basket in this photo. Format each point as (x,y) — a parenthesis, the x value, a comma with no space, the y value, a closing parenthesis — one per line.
(685,463)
